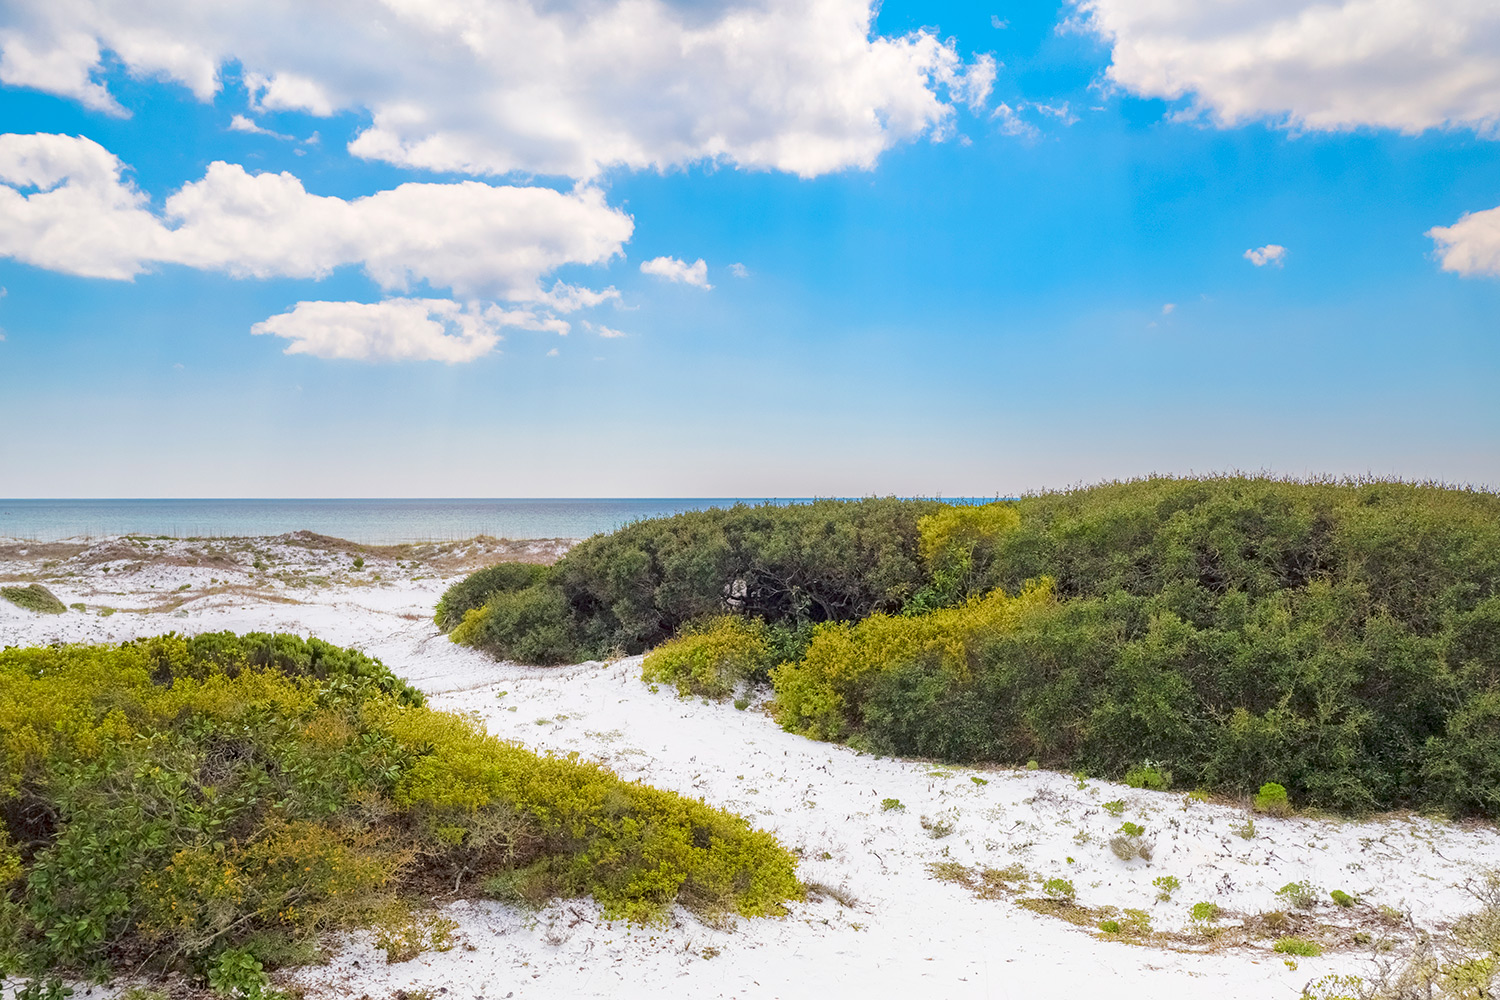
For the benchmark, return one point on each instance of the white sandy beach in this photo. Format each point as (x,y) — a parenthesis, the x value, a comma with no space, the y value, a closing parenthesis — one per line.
(906,934)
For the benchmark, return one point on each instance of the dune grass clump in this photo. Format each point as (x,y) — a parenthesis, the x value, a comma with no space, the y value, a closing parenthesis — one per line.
(212,805)
(34,598)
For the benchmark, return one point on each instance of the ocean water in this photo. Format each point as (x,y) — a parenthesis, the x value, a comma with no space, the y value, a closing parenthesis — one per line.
(372,522)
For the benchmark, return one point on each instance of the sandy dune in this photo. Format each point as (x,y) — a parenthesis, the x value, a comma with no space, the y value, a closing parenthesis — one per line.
(898,930)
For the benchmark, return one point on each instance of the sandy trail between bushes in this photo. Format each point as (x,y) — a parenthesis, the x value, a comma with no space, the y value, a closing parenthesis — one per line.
(906,934)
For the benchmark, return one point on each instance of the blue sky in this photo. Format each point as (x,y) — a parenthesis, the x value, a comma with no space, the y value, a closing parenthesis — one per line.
(946,284)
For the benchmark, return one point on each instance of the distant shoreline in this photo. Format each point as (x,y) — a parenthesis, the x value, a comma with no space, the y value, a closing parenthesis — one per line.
(362,521)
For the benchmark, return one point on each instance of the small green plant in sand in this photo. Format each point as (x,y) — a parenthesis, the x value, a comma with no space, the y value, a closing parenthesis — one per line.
(34,598)
(1149,775)
(1115,808)
(1059,889)
(1130,843)
(1245,830)
(1303,895)
(1272,800)
(1165,886)
(1342,898)
(1299,946)
(891,805)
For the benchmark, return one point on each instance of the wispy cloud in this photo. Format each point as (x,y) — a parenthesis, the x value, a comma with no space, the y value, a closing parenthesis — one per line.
(241,123)
(674,269)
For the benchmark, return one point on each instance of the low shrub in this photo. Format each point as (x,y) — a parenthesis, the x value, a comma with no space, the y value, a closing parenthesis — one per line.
(527,625)
(205,804)
(830,560)
(1115,808)
(1165,886)
(1303,895)
(888,805)
(901,682)
(713,660)
(1149,776)
(1342,898)
(1298,946)
(1059,889)
(1205,912)
(1272,800)
(34,598)
(1337,637)
(475,589)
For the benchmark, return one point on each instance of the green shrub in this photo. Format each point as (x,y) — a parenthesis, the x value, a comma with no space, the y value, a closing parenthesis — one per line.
(1165,886)
(791,564)
(1272,799)
(1205,912)
(713,660)
(1132,829)
(1342,898)
(900,681)
(1342,636)
(1302,895)
(1115,807)
(529,625)
(34,598)
(206,804)
(958,547)
(475,589)
(1060,889)
(1148,776)
(1109,926)
(887,805)
(1297,946)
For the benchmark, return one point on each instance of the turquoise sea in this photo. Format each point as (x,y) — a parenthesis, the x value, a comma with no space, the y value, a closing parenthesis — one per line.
(373,522)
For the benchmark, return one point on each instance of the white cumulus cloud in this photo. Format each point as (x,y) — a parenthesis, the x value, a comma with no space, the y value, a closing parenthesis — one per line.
(66,206)
(1471,246)
(561,87)
(673,269)
(1313,64)
(396,329)
(1271,253)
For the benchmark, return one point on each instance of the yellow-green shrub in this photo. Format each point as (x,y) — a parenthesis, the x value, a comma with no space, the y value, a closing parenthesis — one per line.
(823,695)
(713,660)
(171,799)
(958,546)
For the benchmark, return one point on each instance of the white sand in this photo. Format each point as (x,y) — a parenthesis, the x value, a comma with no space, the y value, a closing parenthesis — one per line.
(908,934)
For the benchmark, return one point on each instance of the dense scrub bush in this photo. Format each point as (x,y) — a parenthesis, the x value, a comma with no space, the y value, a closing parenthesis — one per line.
(904,682)
(530,625)
(959,546)
(206,804)
(34,598)
(791,564)
(1340,640)
(475,589)
(714,659)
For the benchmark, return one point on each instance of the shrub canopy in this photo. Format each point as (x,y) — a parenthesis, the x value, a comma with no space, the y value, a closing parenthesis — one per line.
(829,560)
(1340,639)
(178,802)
